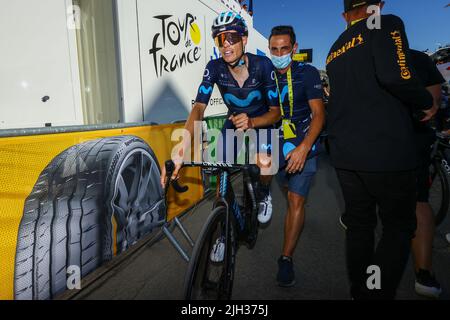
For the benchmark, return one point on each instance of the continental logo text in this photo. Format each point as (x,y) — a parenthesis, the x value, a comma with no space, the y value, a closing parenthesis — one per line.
(405,73)
(355,42)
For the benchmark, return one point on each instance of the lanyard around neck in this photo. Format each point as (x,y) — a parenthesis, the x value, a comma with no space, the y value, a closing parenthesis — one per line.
(352,23)
(291,94)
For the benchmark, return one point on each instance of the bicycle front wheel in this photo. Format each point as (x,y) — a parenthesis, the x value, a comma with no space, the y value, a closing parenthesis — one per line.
(439,191)
(210,272)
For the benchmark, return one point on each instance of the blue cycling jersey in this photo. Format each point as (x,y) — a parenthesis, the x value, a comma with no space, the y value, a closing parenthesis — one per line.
(306,85)
(258,93)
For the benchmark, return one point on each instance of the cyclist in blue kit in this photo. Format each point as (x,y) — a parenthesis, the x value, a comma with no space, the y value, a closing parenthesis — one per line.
(303,111)
(247,85)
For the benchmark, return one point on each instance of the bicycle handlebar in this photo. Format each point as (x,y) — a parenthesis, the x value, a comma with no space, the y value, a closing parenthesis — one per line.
(170,168)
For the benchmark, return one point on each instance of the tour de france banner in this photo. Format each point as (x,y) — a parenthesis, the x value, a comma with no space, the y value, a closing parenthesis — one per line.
(176,45)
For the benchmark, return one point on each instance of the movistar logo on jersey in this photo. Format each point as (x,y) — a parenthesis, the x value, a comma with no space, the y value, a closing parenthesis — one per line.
(288,147)
(273,94)
(205,90)
(284,92)
(266,146)
(243,103)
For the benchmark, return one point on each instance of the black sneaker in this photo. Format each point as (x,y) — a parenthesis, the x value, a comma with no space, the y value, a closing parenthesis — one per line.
(426,284)
(285,276)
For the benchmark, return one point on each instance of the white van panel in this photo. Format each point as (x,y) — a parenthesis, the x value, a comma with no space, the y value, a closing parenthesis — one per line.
(169,83)
(39,59)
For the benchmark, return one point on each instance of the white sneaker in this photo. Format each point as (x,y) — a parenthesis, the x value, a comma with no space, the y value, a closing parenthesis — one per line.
(427,285)
(265,209)
(218,250)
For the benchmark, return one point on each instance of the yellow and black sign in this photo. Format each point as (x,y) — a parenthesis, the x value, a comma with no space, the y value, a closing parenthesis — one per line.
(55,202)
(304,55)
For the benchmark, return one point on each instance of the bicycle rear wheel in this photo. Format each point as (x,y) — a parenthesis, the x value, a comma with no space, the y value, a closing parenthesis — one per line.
(439,191)
(206,279)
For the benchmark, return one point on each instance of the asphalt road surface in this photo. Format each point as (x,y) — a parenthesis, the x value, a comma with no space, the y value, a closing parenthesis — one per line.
(157,271)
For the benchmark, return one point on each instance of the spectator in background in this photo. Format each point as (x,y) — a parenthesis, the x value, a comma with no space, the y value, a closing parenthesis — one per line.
(372,144)
(326,90)
(422,244)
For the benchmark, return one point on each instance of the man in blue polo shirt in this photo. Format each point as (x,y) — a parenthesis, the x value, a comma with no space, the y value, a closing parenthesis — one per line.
(301,97)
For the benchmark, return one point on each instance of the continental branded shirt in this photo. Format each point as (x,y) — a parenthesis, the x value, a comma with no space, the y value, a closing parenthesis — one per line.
(373,85)
(306,85)
(254,98)
(429,76)
(428,73)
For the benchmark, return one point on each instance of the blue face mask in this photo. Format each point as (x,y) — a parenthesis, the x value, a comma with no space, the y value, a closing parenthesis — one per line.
(282,62)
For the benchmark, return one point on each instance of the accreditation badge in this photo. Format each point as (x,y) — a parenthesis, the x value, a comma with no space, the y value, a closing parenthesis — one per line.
(289,129)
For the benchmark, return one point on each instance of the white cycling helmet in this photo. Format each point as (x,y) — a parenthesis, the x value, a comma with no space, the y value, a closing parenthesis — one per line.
(229,20)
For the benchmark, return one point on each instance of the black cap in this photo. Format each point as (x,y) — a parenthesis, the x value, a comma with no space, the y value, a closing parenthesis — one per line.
(354,4)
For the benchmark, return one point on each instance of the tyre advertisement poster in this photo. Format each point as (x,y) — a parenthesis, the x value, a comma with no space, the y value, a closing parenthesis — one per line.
(73,198)
(71,202)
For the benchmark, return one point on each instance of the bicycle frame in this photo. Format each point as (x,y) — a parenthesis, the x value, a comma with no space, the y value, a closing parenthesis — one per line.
(225,197)
(438,151)
(440,171)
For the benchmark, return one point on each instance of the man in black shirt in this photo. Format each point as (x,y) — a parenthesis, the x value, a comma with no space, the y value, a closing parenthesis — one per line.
(372,145)
(422,243)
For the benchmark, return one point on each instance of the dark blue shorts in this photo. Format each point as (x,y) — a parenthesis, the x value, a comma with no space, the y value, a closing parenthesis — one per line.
(299,182)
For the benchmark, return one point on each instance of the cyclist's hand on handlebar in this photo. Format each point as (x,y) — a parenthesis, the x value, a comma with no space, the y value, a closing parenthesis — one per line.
(241,121)
(178,164)
(429,114)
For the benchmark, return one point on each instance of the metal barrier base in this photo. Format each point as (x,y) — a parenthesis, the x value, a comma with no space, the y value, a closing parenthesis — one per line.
(175,242)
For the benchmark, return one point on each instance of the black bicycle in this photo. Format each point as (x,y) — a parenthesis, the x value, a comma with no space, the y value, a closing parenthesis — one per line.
(439,172)
(210,272)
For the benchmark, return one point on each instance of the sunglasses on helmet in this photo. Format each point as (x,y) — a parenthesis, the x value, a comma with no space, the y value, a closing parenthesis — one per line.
(230,37)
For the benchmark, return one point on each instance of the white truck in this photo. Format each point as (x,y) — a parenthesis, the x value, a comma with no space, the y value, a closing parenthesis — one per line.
(91,91)
(84,62)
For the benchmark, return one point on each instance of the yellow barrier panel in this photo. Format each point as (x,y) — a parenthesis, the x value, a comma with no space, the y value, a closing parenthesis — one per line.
(22,159)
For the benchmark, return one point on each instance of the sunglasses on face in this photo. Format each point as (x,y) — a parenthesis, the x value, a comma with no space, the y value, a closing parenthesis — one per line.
(230,37)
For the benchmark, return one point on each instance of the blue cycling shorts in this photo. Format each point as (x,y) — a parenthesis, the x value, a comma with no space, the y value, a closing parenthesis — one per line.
(299,182)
